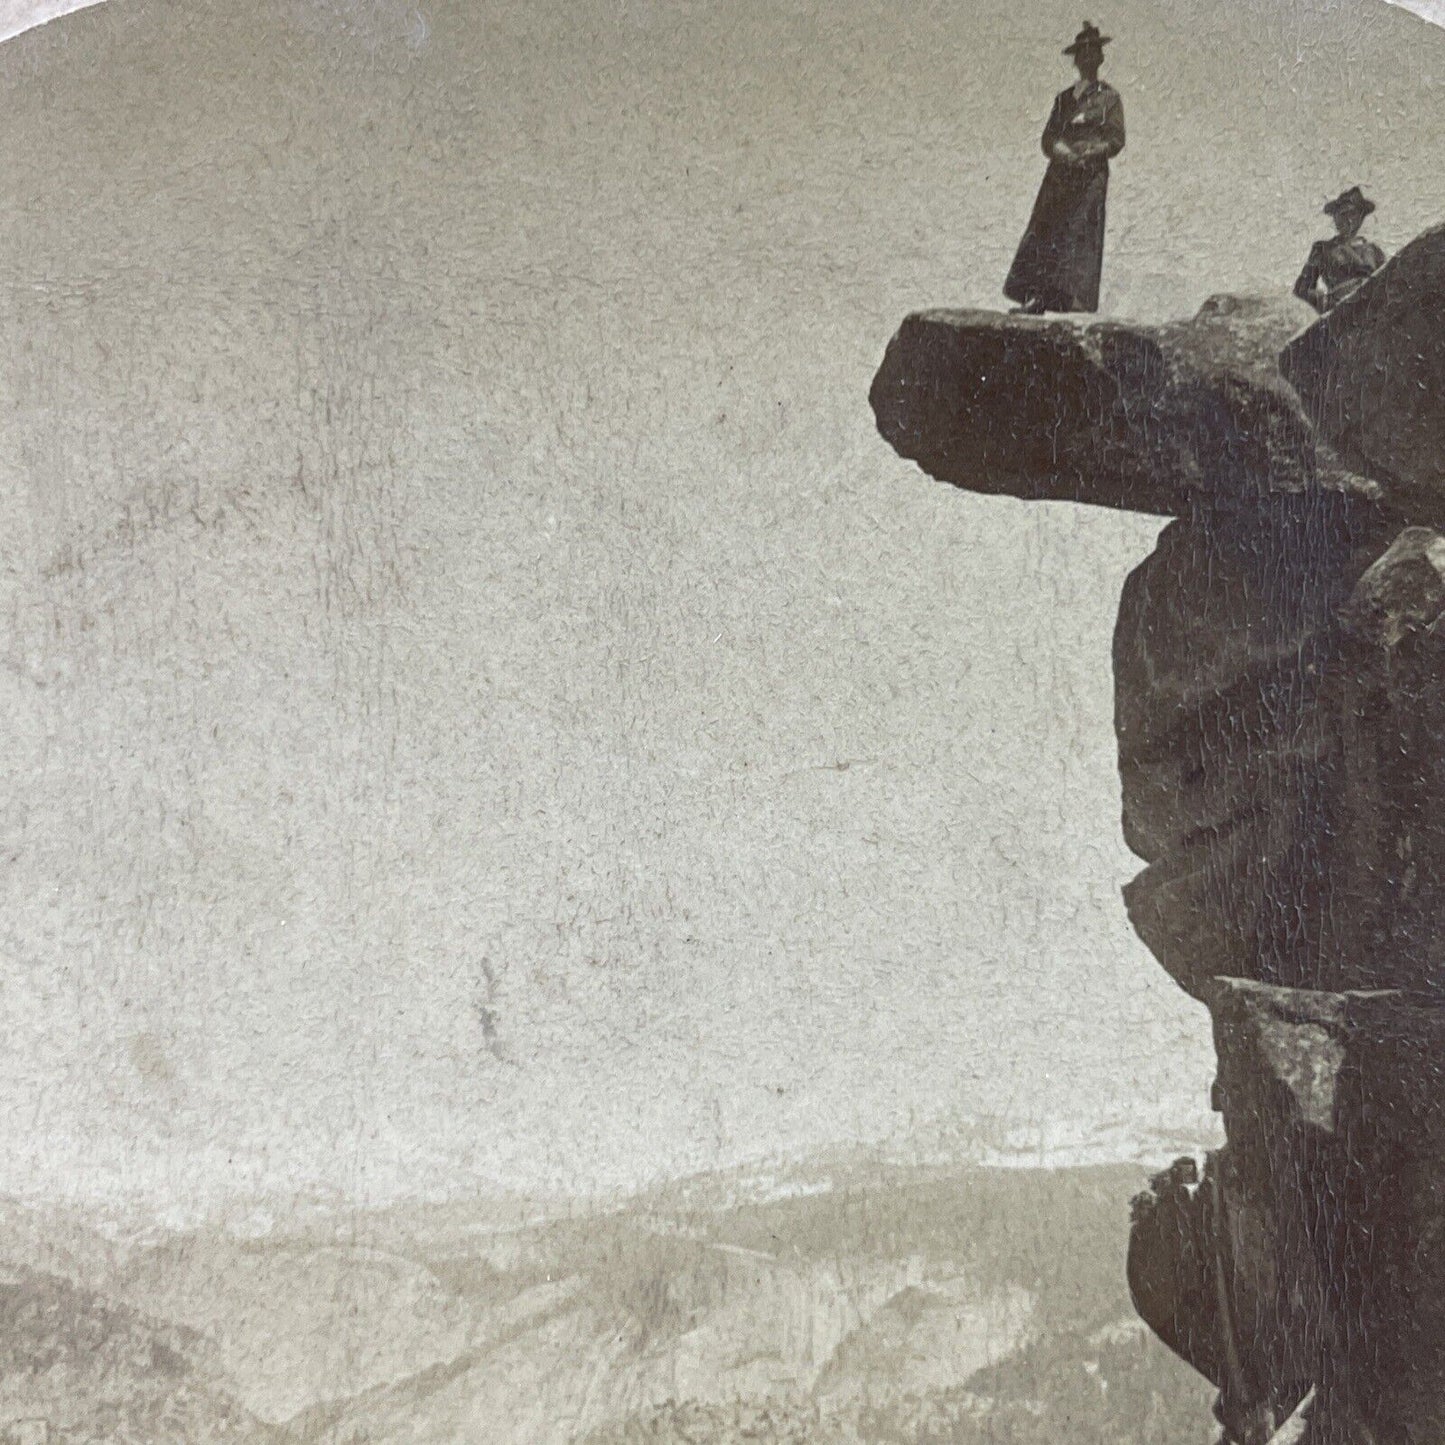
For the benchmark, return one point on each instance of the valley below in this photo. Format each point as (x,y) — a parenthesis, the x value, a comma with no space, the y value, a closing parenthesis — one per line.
(851,1301)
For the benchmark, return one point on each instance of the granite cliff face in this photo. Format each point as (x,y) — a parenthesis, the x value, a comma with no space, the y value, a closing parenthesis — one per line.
(1280,715)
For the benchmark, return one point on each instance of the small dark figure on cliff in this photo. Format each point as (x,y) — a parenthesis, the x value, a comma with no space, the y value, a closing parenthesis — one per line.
(1338,267)
(1061,256)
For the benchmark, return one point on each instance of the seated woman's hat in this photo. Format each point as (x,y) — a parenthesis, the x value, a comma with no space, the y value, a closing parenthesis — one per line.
(1353,199)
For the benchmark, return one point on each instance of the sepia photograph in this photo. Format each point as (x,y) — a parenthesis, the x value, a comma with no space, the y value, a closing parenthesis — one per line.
(718,722)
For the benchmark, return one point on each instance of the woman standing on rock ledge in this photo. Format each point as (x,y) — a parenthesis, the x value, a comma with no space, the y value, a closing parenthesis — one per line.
(1061,256)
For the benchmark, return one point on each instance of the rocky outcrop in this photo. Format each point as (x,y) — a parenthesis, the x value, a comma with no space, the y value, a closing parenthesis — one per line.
(1308,1257)
(1227,662)
(1148,419)
(1371,376)
(1279,666)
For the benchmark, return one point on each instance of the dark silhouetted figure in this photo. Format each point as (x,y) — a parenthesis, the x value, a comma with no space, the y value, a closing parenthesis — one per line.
(1337,267)
(1061,256)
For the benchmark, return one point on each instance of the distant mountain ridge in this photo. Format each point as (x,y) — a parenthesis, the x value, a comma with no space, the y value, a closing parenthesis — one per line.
(100,1373)
(844,1303)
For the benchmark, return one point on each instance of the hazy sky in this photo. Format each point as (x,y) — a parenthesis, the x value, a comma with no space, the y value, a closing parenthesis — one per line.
(485,706)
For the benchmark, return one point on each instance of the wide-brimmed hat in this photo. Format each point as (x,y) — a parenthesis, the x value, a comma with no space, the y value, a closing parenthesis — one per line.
(1353,199)
(1088,39)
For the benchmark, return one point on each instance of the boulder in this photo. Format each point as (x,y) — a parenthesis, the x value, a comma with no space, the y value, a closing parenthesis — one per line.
(1402,594)
(1281,1052)
(1371,376)
(1229,670)
(1336,1151)
(1171,1269)
(1305,1260)
(1201,1272)
(1280,717)
(1157,419)
(1390,874)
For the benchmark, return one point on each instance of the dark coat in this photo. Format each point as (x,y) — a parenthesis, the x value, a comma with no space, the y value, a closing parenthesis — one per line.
(1335,268)
(1061,256)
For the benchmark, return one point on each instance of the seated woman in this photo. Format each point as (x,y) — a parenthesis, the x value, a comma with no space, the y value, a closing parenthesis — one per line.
(1337,267)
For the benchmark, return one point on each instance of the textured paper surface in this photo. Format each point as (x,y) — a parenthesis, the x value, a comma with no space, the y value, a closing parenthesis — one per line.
(490,722)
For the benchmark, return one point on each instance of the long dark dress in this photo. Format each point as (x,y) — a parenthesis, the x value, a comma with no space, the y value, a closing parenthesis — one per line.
(1061,256)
